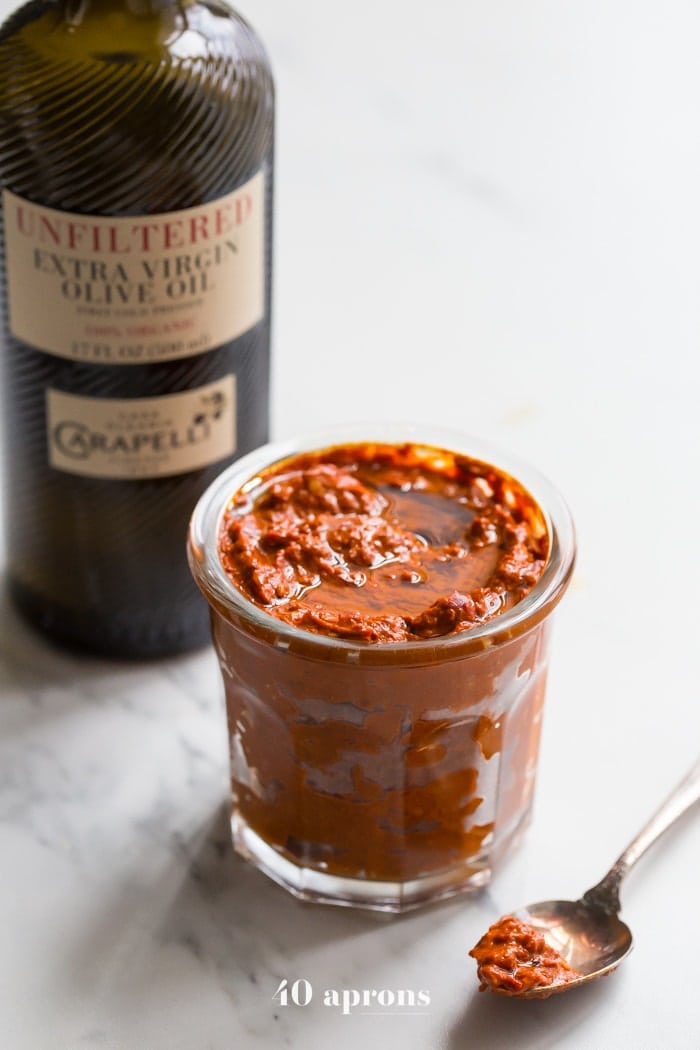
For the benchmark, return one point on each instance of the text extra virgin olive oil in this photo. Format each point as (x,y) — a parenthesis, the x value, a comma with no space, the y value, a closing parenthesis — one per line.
(136,150)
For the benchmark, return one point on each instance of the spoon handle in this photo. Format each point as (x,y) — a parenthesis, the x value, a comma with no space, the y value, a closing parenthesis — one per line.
(606,895)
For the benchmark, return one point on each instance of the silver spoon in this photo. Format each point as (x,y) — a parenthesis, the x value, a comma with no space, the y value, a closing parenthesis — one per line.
(588,933)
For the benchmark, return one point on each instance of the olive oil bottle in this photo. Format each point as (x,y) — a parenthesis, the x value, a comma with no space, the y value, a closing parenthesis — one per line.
(136,163)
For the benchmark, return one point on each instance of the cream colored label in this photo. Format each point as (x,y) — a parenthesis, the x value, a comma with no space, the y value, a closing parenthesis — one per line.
(144,437)
(147,288)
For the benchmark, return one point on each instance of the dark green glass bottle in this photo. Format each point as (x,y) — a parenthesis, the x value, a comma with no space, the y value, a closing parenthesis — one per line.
(136,163)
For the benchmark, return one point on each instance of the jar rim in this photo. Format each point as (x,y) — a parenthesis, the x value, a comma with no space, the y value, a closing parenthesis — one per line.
(221,592)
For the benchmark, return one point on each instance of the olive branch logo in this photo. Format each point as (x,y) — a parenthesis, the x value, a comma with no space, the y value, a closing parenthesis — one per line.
(212,408)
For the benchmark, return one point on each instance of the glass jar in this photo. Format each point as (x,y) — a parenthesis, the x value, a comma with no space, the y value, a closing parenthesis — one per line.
(380,775)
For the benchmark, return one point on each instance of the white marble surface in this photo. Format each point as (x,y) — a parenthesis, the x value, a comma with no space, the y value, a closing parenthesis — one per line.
(488,216)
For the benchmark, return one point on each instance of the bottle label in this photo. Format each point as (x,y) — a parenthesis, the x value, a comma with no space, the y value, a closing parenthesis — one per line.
(123,291)
(143,437)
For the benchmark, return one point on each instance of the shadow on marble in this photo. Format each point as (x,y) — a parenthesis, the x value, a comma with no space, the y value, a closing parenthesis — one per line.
(492,1021)
(198,916)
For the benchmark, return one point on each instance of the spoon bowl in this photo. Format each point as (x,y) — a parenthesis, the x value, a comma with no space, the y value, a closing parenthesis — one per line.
(591,940)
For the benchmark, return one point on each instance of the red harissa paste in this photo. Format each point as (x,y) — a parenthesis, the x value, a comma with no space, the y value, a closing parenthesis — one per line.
(384,543)
(513,958)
